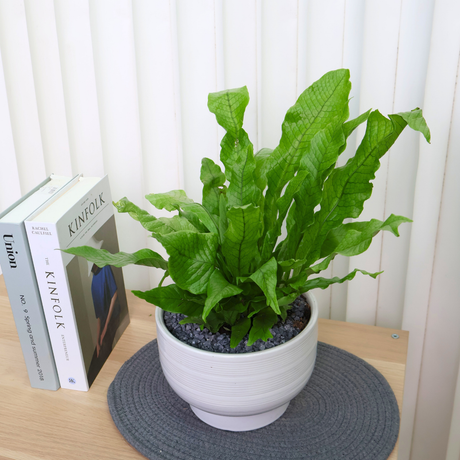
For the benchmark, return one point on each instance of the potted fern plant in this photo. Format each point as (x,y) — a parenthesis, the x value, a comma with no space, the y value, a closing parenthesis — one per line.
(230,269)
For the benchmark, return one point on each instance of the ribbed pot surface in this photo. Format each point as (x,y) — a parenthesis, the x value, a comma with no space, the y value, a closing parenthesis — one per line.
(239,384)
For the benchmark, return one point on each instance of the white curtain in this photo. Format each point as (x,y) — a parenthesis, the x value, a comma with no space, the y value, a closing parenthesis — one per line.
(120,87)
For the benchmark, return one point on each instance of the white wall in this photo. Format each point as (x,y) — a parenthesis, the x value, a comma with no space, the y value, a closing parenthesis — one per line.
(120,87)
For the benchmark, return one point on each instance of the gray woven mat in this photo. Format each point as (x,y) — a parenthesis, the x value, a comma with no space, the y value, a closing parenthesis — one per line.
(346,411)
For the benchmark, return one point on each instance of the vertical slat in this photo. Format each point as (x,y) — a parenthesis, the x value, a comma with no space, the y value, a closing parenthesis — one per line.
(79,87)
(201,72)
(22,103)
(453,445)
(414,43)
(441,348)
(115,65)
(240,56)
(279,66)
(352,45)
(325,30)
(352,59)
(324,38)
(159,103)
(439,94)
(41,26)
(10,187)
(380,56)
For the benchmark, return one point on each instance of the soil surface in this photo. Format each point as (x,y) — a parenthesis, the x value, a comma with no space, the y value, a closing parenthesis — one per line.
(297,319)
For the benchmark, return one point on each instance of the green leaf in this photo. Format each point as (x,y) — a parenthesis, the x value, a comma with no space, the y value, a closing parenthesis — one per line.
(171,201)
(165,225)
(261,325)
(349,240)
(282,204)
(239,246)
(318,160)
(101,257)
(323,283)
(177,200)
(192,320)
(256,307)
(351,125)
(260,173)
(239,330)
(265,277)
(291,264)
(228,107)
(348,187)
(223,222)
(316,108)
(242,189)
(192,258)
(172,298)
(124,205)
(218,288)
(355,238)
(212,178)
(415,120)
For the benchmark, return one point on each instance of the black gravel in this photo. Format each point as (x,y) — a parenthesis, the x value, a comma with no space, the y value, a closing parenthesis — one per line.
(297,318)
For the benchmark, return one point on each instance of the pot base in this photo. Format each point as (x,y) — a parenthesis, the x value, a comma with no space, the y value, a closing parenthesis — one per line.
(245,423)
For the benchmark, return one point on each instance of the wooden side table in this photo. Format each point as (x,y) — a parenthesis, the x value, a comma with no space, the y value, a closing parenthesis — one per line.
(65,424)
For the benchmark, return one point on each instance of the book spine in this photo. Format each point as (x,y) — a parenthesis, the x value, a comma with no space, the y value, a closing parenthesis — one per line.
(57,304)
(23,292)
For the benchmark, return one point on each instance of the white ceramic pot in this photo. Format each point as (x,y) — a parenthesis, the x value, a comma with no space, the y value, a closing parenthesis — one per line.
(239,392)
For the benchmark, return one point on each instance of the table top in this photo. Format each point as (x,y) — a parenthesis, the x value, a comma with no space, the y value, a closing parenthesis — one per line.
(67,424)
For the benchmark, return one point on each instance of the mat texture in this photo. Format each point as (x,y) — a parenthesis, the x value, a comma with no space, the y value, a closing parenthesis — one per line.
(346,411)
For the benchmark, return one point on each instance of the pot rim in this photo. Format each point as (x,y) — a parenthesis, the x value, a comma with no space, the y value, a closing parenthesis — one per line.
(241,356)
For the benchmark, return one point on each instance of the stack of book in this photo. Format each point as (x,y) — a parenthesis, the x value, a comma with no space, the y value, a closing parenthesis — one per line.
(69,313)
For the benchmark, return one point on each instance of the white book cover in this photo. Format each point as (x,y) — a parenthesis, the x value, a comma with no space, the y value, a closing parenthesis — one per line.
(21,284)
(85,306)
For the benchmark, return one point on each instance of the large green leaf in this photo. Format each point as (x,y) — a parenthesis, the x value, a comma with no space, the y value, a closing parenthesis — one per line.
(162,225)
(348,187)
(218,288)
(319,160)
(260,173)
(101,257)
(265,277)
(212,178)
(172,298)
(177,200)
(354,238)
(239,246)
(261,325)
(165,225)
(237,151)
(316,108)
(243,189)
(283,203)
(124,205)
(323,283)
(350,240)
(192,258)
(239,330)
(228,106)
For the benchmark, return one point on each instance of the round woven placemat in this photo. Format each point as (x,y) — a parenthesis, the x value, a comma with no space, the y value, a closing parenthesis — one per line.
(346,411)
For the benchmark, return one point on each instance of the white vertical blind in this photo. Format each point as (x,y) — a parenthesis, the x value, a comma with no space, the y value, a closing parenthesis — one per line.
(115,66)
(120,87)
(438,105)
(22,101)
(79,86)
(44,51)
(380,58)
(200,35)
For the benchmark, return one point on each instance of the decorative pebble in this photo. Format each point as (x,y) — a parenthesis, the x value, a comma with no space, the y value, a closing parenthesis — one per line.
(220,342)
